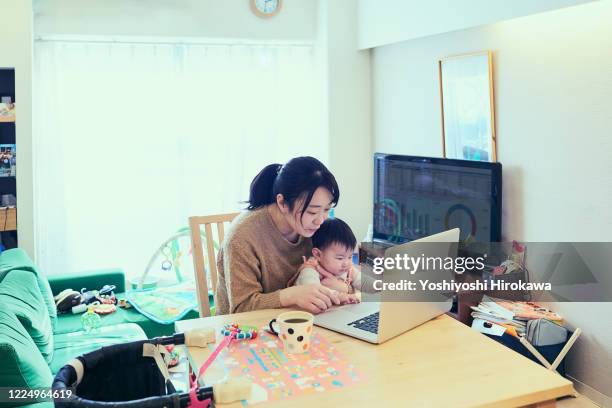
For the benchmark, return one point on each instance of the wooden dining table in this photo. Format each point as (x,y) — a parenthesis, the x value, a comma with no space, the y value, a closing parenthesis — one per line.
(441,363)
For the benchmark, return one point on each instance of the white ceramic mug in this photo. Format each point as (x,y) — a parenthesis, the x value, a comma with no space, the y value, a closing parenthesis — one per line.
(294,330)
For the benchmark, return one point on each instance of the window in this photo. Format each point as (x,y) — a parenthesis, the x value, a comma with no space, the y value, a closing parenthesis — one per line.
(132,138)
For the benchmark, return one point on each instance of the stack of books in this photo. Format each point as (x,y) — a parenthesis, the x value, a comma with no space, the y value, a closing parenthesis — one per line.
(511,315)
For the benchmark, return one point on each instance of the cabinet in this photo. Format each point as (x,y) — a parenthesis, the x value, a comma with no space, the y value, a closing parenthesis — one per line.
(8,159)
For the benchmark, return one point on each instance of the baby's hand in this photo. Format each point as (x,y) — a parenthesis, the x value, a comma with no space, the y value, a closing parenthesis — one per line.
(348,298)
(335,284)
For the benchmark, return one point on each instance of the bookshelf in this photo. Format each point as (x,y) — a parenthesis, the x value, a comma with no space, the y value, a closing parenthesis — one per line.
(8,159)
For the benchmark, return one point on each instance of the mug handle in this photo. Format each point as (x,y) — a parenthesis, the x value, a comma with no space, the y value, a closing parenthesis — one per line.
(271,327)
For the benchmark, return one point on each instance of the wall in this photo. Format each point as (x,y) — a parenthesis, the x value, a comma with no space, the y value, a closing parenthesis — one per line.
(387,21)
(553,81)
(16,52)
(348,111)
(177,18)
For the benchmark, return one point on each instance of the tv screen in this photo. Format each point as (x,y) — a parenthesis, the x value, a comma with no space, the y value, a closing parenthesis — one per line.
(418,196)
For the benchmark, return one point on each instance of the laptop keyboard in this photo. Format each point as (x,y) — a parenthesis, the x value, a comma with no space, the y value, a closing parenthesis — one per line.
(368,323)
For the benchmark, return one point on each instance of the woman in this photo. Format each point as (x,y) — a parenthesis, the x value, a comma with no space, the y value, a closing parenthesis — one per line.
(265,245)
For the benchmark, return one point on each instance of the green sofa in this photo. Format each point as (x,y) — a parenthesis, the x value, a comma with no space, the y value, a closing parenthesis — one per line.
(95,280)
(35,341)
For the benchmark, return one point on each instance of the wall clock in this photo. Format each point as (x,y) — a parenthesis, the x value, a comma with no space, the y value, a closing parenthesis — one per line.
(266,8)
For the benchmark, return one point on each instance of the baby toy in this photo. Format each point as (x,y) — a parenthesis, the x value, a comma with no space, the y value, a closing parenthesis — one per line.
(172,357)
(104,295)
(66,300)
(171,256)
(71,300)
(104,308)
(230,390)
(233,389)
(238,332)
(200,337)
(90,320)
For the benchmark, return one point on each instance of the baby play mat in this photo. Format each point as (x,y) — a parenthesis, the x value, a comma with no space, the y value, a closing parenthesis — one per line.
(277,375)
(165,305)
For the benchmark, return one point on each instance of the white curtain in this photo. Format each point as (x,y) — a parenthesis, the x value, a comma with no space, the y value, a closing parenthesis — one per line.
(132,138)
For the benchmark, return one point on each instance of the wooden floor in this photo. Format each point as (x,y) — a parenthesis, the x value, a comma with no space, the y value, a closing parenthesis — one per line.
(580,402)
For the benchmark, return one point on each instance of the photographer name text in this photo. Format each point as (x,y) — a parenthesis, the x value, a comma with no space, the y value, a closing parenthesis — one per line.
(451,285)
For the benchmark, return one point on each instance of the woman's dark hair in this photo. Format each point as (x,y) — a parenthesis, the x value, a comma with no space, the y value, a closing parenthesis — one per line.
(298,178)
(334,231)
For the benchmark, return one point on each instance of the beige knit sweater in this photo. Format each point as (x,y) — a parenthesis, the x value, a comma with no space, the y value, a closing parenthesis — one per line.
(255,262)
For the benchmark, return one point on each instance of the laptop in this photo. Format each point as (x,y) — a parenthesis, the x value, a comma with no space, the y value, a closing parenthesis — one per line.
(377,322)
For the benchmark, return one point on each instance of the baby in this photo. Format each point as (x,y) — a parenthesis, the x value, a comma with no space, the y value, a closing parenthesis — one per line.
(331,261)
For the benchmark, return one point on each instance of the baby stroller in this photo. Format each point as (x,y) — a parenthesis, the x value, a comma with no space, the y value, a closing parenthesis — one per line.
(120,376)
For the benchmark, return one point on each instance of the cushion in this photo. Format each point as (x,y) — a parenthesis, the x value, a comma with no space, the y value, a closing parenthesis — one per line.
(19,294)
(71,345)
(22,364)
(17,258)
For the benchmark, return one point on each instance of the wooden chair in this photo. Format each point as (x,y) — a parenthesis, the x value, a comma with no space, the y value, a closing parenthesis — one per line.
(195,224)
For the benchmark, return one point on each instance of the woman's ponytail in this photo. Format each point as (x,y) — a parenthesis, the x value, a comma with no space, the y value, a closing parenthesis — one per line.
(262,187)
(298,179)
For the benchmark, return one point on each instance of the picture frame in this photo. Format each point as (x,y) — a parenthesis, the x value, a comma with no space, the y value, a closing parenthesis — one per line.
(468,107)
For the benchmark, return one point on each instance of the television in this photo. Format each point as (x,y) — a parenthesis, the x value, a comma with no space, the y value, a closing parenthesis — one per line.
(418,196)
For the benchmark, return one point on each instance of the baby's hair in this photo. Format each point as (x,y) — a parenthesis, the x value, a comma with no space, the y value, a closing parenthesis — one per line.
(334,231)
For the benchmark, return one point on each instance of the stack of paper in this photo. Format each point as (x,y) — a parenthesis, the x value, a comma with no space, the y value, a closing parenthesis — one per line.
(491,312)
(496,316)
(528,310)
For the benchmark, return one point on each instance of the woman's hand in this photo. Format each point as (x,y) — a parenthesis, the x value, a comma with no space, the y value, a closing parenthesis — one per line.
(314,298)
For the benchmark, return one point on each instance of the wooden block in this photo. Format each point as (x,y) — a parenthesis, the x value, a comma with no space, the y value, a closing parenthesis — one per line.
(234,389)
(200,337)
